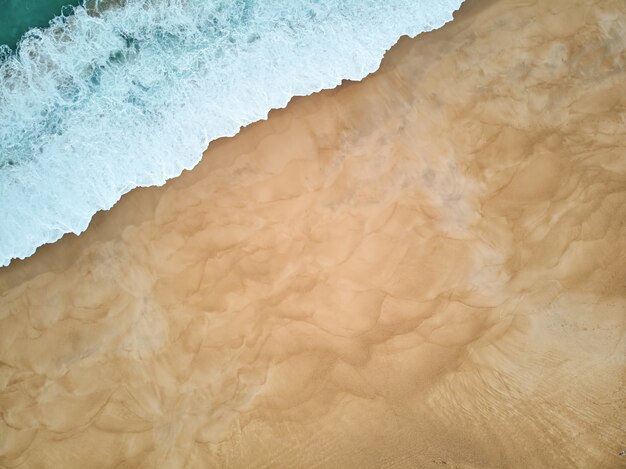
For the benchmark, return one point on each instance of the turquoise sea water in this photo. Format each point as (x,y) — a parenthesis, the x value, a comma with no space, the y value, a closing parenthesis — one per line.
(18,16)
(95,105)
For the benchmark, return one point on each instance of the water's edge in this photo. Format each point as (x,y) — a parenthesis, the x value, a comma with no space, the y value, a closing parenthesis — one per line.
(78,221)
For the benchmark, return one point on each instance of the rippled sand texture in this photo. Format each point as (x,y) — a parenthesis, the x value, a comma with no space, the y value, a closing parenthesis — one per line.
(425,268)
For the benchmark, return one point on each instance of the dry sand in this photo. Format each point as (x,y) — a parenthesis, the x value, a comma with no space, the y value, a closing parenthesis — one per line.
(425,268)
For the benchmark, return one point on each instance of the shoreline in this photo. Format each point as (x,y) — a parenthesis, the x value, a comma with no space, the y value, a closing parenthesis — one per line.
(49,221)
(421,268)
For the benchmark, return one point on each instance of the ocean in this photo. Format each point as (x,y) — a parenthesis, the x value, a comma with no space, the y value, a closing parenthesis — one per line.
(104,100)
(18,16)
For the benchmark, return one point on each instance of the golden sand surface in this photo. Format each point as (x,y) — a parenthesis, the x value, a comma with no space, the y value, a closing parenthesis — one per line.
(423,269)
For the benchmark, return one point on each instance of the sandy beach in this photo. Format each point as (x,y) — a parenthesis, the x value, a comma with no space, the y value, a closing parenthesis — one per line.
(426,268)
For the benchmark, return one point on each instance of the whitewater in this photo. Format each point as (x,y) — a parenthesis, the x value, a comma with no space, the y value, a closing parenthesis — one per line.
(104,101)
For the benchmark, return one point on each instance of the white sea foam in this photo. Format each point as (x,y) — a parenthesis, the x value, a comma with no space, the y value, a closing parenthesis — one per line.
(97,105)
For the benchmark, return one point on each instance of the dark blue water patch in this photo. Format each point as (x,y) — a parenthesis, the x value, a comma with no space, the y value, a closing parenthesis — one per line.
(20,16)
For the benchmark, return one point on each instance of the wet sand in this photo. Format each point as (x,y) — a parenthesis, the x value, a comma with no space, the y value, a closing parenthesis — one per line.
(423,269)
